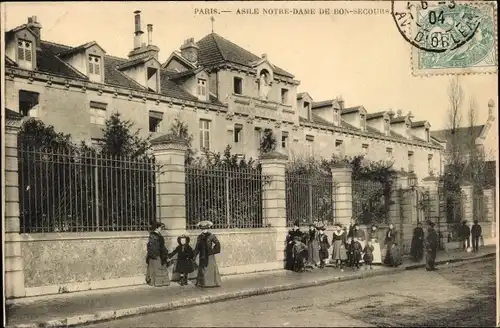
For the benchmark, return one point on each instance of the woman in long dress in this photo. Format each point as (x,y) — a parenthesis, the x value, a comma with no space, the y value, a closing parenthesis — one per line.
(313,246)
(207,246)
(156,258)
(339,247)
(390,239)
(373,237)
(294,232)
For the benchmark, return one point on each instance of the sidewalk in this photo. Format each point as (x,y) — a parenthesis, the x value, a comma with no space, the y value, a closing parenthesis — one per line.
(92,306)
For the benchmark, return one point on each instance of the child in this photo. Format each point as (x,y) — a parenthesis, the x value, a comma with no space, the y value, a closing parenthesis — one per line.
(185,259)
(324,245)
(396,259)
(368,254)
(299,254)
(355,249)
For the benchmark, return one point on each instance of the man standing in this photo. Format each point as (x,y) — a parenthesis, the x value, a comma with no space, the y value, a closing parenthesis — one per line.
(476,232)
(431,245)
(464,236)
(417,243)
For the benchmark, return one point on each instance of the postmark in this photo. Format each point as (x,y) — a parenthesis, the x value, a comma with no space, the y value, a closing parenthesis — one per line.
(449,37)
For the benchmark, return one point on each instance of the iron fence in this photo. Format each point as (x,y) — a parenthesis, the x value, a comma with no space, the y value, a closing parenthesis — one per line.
(71,191)
(479,207)
(370,202)
(228,197)
(309,198)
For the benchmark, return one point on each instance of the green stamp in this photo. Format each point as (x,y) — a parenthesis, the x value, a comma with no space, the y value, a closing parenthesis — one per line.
(478,54)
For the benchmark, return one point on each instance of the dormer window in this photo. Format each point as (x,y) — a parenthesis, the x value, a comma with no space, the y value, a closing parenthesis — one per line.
(363,121)
(336,116)
(25,54)
(95,70)
(202,88)
(387,126)
(238,85)
(307,107)
(152,79)
(427,135)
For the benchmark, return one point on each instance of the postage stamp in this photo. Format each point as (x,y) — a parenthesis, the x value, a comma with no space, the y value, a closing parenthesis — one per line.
(449,37)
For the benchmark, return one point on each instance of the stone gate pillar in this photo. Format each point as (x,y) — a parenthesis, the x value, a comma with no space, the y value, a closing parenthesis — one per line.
(14,264)
(274,198)
(342,182)
(171,184)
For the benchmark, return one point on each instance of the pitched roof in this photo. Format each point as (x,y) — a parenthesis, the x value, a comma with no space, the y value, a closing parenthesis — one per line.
(350,110)
(371,116)
(301,95)
(418,124)
(79,48)
(461,133)
(134,62)
(319,120)
(49,62)
(323,103)
(398,119)
(216,50)
(9,62)
(9,113)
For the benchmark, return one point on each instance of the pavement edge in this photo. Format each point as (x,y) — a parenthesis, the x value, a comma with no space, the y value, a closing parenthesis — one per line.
(172,305)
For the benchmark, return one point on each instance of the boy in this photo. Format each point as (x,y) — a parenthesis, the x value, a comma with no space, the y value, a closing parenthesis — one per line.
(299,254)
(355,249)
(368,254)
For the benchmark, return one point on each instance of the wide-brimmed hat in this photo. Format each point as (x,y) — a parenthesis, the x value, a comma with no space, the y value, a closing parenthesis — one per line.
(183,237)
(205,224)
(338,225)
(321,226)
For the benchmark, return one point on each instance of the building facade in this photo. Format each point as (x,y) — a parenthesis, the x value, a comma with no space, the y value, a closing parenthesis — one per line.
(224,93)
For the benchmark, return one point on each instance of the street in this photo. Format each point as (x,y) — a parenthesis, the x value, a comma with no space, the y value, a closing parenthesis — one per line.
(455,296)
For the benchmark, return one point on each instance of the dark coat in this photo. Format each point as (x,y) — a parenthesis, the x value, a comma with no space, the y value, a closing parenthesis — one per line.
(464,231)
(289,261)
(156,248)
(185,258)
(368,256)
(432,240)
(324,246)
(207,244)
(359,234)
(476,230)
(390,237)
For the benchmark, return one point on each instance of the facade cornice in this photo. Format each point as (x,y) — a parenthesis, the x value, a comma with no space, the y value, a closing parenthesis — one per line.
(52,80)
(343,131)
(252,71)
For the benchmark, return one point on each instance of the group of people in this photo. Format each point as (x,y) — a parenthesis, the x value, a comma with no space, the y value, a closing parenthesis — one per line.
(465,233)
(350,247)
(158,258)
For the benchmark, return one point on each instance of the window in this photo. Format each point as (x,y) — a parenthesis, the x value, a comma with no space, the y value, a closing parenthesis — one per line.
(427,135)
(155,119)
(310,145)
(410,162)
(365,149)
(205,134)
(387,125)
(238,133)
(238,85)
(152,79)
(94,65)
(363,121)
(257,132)
(202,87)
(308,110)
(97,112)
(25,54)
(429,163)
(284,96)
(336,116)
(284,139)
(339,147)
(388,151)
(28,103)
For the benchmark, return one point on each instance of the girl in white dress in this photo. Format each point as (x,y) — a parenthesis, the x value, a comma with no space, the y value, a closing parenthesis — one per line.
(373,237)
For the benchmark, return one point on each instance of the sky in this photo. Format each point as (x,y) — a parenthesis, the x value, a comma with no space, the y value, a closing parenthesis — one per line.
(362,58)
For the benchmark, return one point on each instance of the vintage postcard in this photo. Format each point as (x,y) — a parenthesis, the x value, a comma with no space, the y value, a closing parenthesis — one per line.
(249,163)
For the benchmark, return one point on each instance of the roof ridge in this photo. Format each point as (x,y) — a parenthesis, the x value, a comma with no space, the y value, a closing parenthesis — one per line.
(58,44)
(234,44)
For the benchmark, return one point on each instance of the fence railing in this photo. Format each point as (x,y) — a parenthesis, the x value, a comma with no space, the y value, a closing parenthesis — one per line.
(67,191)
(228,197)
(309,198)
(479,207)
(369,202)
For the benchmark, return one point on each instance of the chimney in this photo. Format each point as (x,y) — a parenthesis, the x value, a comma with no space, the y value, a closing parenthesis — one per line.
(35,26)
(150,34)
(189,50)
(138,33)
(491,106)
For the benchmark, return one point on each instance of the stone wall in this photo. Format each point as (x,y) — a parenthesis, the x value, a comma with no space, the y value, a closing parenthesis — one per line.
(68,262)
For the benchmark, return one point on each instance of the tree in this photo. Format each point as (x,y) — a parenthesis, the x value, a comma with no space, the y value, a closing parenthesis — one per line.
(180,130)
(119,140)
(35,135)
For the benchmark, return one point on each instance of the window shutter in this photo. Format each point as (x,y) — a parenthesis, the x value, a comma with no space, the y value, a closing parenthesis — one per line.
(91,66)
(96,66)
(20,50)
(27,54)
